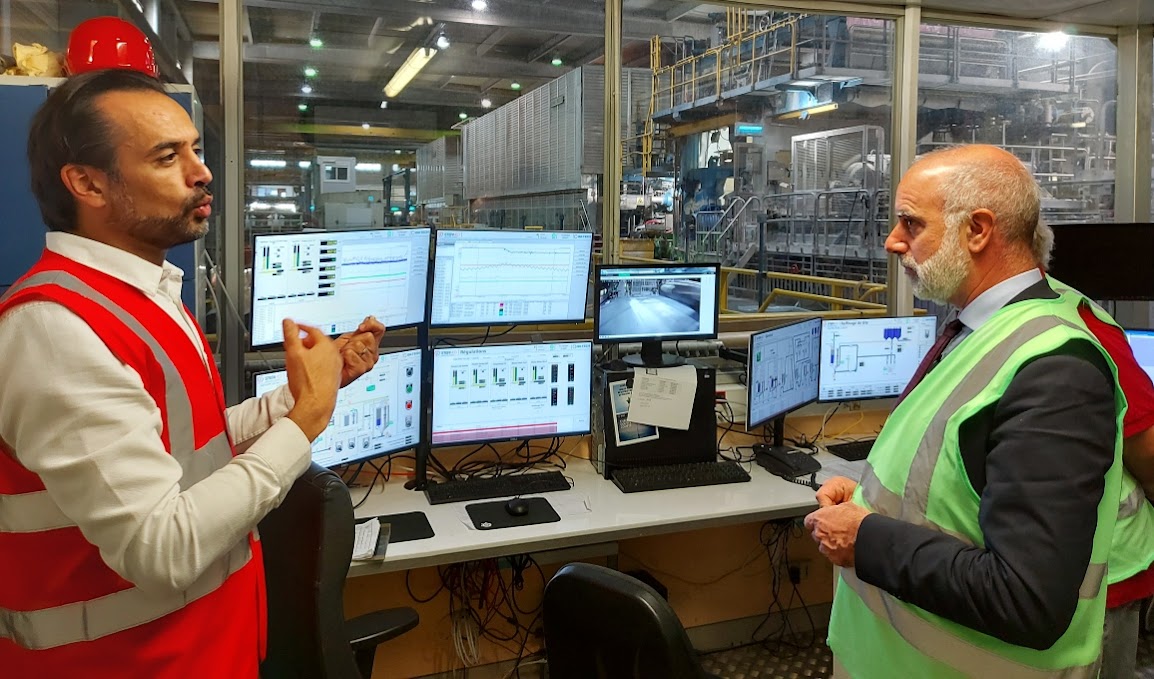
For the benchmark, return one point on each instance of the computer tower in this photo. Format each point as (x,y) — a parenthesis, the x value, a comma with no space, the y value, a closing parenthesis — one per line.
(617,443)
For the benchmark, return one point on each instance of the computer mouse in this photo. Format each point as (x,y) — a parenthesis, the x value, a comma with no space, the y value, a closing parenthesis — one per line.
(517,507)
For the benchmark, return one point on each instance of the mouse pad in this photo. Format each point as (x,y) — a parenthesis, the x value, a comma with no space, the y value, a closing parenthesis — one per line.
(490,515)
(406,526)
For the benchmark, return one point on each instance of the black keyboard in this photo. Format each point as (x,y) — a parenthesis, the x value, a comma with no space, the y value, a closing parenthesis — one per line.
(852,451)
(497,486)
(664,477)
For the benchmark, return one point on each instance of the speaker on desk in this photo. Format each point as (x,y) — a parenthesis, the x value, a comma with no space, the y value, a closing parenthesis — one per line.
(619,443)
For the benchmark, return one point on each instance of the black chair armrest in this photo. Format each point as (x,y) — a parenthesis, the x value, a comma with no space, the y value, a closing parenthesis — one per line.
(368,630)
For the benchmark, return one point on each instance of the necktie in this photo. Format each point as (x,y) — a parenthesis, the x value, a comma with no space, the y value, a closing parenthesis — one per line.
(948,333)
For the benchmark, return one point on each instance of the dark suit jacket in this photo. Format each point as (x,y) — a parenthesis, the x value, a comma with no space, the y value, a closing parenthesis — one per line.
(1038,459)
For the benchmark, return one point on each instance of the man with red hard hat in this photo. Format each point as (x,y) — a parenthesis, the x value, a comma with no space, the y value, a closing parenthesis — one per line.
(129,493)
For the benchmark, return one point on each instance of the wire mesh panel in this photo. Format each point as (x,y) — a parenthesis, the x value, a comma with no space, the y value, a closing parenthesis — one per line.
(847,157)
(530,145)
(439,172)
(636,87)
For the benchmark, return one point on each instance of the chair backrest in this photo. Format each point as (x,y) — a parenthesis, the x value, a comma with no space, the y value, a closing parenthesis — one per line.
(602,624)
(308,545)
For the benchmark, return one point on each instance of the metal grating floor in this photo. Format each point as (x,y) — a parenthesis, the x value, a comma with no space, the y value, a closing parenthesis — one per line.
(756,662)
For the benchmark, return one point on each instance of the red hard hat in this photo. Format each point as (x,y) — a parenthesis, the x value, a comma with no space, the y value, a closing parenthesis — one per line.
(109,42)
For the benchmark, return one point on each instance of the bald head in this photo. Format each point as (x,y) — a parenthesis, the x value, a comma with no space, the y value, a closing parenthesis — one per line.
(982,177)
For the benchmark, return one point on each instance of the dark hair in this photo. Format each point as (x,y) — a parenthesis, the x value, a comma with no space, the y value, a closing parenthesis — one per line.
(69,128)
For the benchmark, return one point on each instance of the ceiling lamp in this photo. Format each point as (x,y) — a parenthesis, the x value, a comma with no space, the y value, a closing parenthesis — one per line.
(420,58)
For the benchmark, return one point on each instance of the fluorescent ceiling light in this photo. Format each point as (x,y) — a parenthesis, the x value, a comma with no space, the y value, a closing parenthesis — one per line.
(442,42)
(480,5)
(486,102)
(420,58)
(807,112)
(267,162)
(365,126)
(306,89)
(385,103)
(396,168)
(368,167)
(316,42)
(305,164)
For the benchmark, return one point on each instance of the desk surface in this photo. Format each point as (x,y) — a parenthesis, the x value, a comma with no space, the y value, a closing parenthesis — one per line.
(613,516)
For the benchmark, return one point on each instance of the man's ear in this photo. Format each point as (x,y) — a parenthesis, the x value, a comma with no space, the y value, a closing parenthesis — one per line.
(979,230)
(88,185)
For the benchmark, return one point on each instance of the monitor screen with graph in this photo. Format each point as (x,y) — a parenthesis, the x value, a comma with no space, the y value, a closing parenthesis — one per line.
(1142,343)
(872,357)
(782,370)
(378,414)
(511,391)
(510,277)
(334,279)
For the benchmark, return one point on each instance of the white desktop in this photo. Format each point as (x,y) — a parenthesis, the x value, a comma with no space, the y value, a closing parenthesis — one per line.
(510,391)
(1142,342)
(378,414)
(499,277)
(333,280)
(782,370)
(872,357)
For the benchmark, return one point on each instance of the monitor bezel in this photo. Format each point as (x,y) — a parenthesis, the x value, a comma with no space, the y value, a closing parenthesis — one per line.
(749,373)
(469,442)
(478,324)
(597,337)
(863,398)
(303,234)
(417,407)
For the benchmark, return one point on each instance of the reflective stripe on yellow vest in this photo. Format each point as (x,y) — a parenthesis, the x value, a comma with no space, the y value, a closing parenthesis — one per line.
(915,474)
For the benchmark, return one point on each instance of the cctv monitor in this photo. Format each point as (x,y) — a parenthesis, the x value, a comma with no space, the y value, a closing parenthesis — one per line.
(782,372)
(378,414)
(1142,343)
(651,303)
(333,280)
(1105,261)
(512,391)
(864,358)
(510,277)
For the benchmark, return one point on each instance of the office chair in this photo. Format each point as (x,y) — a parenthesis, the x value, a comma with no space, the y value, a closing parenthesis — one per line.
(308,546)
(602,624)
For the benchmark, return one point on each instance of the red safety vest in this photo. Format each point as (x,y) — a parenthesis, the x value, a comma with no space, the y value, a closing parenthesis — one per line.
(63,612)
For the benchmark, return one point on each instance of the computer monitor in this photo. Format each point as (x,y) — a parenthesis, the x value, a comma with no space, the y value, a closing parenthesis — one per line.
(651,303)
(782,373)
(499,277)
(1105,261)
(1142,343)
(511,391)
(334,279)
(863,358)
(378,414)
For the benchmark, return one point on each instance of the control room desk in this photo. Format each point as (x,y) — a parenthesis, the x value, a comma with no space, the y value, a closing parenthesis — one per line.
(614,516)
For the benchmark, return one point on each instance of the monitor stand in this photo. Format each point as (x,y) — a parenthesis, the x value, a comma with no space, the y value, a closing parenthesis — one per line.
(778,445)
(651,357)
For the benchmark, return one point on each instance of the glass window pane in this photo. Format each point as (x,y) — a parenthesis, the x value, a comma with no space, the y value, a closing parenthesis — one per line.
(1049,98)
(766,116)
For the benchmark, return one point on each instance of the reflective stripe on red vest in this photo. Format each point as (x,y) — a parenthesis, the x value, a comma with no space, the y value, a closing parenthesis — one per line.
(62,610)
